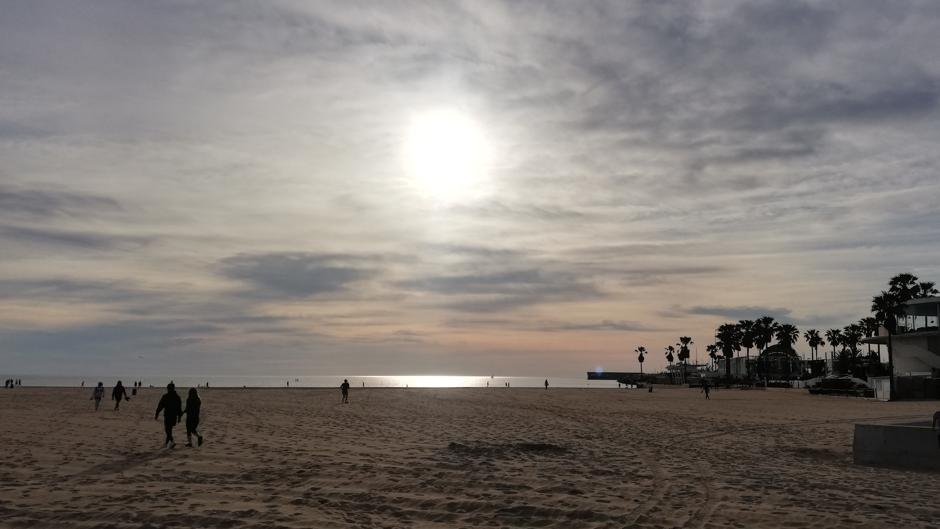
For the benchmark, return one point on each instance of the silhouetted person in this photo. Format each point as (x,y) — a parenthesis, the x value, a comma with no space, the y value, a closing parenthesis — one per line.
(119,392)
(344,387)
(97,394)
(83,383)
(546,383)
(172,407)
(705,389)
(936,425)
(193,404)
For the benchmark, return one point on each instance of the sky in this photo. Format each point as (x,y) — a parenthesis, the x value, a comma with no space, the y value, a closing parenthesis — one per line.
(521,188)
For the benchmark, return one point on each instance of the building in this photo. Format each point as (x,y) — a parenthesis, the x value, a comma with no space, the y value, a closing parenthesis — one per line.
(916,344)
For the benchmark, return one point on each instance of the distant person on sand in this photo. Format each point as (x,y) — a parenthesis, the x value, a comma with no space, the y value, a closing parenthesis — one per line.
(344,387)
(119,392)
(546,383)
(705,389)
(936,426)
(172,407)
(97,394)
(193,404)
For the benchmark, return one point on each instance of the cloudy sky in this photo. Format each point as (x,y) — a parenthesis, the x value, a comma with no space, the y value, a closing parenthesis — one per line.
(474,187)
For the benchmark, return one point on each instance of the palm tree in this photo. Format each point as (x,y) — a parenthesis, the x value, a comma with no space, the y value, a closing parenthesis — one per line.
(670,357)
(712,353)
(748,335)
(886,309)
(904,288)
(813,340)
(728,336)
(851,337)
(869,327)
(641,356)
(764,329)
(926,289)
(684,352)
(834,336)
(787,335)
(904,285)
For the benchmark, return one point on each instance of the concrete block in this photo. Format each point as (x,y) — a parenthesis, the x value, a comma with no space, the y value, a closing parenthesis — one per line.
(896,445)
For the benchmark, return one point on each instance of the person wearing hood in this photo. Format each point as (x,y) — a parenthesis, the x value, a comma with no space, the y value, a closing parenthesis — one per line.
(172,407)
(193,405)
(119,392)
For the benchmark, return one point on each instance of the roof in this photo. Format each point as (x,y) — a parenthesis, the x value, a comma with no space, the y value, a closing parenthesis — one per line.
(923,306)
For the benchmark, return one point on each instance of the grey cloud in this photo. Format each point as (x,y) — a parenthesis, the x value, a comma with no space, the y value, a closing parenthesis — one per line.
(296,274)
(639,143)
(62,289)
(601,326)
(504,290)
(126,337)
(82,240)
(744,312)
(46,203)
(16,131)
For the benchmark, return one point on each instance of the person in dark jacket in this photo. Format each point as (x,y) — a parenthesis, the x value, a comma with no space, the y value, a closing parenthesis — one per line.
(172,407)
(193,404)
(119,392)
(97,395)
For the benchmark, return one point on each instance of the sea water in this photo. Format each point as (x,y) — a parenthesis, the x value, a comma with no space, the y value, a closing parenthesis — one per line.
(369,381)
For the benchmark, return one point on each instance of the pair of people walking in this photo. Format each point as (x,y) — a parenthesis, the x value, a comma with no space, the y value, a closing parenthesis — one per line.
(118,394)
(172,407)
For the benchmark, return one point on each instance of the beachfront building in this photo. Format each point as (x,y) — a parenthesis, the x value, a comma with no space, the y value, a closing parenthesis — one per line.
(915,350)
(916,345)
(738,366)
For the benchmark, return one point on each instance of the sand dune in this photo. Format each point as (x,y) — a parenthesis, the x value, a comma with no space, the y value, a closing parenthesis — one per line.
(566,458)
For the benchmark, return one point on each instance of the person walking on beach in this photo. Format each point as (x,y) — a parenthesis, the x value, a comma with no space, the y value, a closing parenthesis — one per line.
(172,407)
(344,387)
(119,392)
(546,383)
(705,389)
(193,404)
(97,394)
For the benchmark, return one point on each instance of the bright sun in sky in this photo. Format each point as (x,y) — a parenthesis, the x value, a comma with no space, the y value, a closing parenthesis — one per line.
(447,155)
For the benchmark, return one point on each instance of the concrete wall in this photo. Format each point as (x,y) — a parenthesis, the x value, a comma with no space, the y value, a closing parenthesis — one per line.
(916,352)
(905,446)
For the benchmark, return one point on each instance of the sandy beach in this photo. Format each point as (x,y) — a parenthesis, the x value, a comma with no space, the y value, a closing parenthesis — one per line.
(567,458)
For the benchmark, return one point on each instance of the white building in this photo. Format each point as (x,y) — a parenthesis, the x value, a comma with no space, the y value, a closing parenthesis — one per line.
(916,345)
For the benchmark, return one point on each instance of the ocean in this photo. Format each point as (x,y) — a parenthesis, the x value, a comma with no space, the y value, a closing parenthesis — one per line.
(369,381)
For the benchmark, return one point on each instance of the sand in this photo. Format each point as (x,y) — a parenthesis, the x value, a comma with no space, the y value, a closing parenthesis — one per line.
(571,458)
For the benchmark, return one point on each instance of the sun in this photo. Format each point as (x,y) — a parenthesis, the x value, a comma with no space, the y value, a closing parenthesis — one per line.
(447,156)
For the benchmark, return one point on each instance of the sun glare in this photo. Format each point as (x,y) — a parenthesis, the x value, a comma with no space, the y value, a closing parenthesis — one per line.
(447,156)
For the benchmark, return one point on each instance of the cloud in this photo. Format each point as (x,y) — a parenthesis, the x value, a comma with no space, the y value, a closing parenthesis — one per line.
(243,161)
(295,274)
(504,290)
(83,240)
(601,326)
(45,203)
(744,312)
